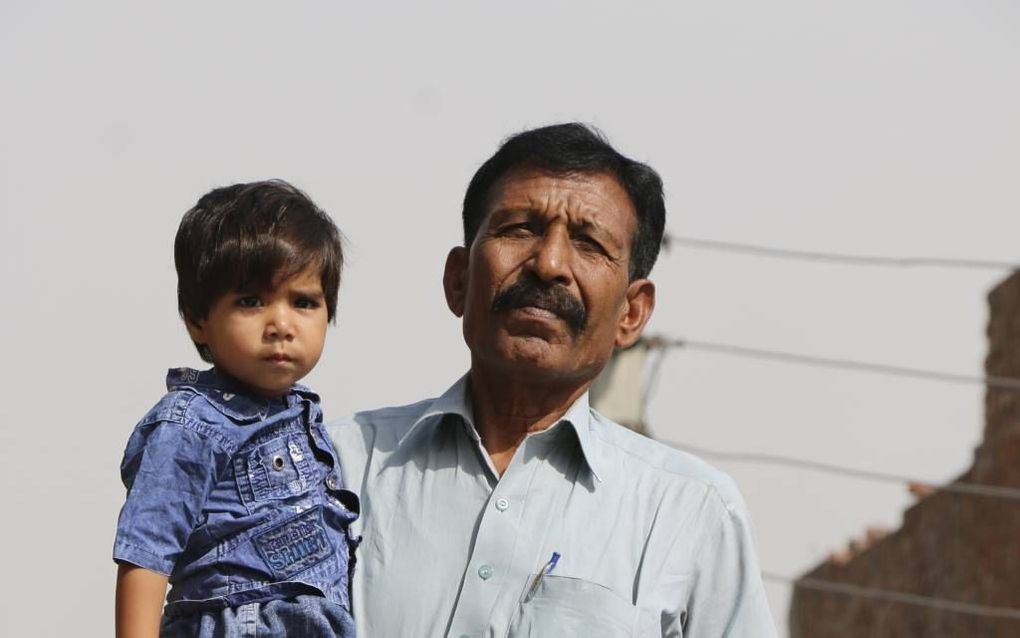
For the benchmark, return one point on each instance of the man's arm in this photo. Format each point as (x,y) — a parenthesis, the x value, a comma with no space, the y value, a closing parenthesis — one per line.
(727,598)
(140,594)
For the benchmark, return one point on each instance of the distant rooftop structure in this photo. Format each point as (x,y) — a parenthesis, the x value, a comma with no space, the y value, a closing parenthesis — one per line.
(953,567)
(619,391)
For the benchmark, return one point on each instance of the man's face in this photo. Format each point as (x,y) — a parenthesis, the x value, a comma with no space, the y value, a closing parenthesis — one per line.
(544,288)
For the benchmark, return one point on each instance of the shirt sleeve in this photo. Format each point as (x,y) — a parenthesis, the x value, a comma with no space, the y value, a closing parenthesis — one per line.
(726,596)
(168,470)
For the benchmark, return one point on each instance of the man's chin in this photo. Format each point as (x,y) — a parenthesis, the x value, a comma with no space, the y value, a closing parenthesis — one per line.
(534,355)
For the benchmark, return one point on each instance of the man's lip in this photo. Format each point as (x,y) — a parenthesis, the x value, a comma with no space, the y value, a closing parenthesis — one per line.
(538,311)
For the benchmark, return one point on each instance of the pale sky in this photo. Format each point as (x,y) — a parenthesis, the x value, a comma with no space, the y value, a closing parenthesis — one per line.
(875,127)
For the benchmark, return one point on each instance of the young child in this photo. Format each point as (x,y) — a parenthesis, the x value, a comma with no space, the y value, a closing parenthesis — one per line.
(233,488)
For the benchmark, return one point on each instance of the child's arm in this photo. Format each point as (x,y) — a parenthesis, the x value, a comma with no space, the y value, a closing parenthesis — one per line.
(140,594)
(169,470)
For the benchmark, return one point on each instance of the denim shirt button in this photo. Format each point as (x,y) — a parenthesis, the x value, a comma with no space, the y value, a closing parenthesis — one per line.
(331,482)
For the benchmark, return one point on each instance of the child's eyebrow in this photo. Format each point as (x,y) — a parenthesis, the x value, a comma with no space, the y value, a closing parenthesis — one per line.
(312,293)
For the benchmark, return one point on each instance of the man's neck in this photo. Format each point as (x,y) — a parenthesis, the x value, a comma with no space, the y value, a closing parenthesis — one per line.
(507,408)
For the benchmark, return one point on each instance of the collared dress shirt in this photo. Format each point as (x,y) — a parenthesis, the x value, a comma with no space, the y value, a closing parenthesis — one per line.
(651,541)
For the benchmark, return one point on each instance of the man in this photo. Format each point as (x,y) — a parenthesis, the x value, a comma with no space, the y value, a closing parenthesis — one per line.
(507,506)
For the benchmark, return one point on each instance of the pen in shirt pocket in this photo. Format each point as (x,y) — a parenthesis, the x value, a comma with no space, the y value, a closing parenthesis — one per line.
(542,573)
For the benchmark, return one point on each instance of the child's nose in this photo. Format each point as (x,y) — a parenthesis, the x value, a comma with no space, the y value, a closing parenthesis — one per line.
(279,325)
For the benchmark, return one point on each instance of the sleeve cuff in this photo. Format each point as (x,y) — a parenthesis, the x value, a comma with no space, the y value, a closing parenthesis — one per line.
(124,552)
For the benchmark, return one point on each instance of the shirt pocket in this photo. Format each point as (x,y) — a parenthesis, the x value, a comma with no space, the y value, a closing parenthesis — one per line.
(276,469)
(563,606)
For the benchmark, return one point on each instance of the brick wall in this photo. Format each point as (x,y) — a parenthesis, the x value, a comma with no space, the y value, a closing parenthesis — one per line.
(957,547)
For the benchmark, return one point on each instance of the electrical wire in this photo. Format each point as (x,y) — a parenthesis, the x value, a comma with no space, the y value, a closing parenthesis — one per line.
(931,602)
(998,382)
(956,487)
(842,258)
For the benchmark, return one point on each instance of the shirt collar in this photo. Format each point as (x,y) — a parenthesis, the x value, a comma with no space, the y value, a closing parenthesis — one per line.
(228,396)
(455,401)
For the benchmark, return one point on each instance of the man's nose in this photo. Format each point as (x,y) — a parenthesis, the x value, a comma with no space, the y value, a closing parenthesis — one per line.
(551,258)
(279,324)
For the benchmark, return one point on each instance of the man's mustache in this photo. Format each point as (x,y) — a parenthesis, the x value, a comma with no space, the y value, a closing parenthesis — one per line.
(528,291)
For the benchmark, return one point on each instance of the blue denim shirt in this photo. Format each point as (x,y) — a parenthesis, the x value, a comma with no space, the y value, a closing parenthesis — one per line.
(235,497)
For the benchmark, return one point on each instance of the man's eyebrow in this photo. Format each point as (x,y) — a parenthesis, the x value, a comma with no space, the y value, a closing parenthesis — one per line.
(586,224)
(516,209)
(592,226)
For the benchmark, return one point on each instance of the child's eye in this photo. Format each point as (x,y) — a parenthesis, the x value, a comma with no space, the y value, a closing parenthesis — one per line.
(248,301)
(306,302)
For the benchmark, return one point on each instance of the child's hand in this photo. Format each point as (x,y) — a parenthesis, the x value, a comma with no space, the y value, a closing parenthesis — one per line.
(140,596)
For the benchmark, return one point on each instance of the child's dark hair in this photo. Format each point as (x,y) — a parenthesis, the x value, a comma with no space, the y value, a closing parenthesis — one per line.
(248,237)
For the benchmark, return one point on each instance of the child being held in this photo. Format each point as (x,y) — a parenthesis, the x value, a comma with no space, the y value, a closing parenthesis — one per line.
(234,492)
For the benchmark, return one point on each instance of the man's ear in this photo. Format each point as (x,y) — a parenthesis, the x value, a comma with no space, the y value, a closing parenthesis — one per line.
(455,279)
(640,302)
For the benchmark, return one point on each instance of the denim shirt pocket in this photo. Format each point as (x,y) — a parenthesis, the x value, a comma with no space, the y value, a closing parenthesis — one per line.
(276,469)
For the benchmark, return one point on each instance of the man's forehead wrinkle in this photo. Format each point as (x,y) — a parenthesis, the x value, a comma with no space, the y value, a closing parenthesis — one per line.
(588,202)
(580,208)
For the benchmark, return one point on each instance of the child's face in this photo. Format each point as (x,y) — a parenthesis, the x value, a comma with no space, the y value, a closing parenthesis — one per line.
(267,340)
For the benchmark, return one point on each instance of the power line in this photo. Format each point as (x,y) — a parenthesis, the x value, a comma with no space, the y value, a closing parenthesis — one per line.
(958,487)
(843,258)
(931,602)
(998,382)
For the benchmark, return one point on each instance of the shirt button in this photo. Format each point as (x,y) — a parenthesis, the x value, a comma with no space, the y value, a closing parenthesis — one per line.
(485,572)
(502,504)
(331,482)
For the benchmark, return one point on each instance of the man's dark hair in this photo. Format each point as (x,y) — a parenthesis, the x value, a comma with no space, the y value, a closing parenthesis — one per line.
(248,237)
(571,149)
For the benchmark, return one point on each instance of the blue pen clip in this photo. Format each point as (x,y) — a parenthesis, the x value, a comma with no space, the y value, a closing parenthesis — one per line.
(542,573)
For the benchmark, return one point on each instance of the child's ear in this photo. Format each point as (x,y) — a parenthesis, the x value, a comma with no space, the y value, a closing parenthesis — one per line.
(196,330)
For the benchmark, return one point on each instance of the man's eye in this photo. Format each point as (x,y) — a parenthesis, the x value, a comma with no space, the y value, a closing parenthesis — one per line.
(248,301)
(588,243)
(518,230)
(306,302)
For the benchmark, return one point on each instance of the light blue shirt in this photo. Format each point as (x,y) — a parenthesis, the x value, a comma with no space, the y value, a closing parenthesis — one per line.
(652,541)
